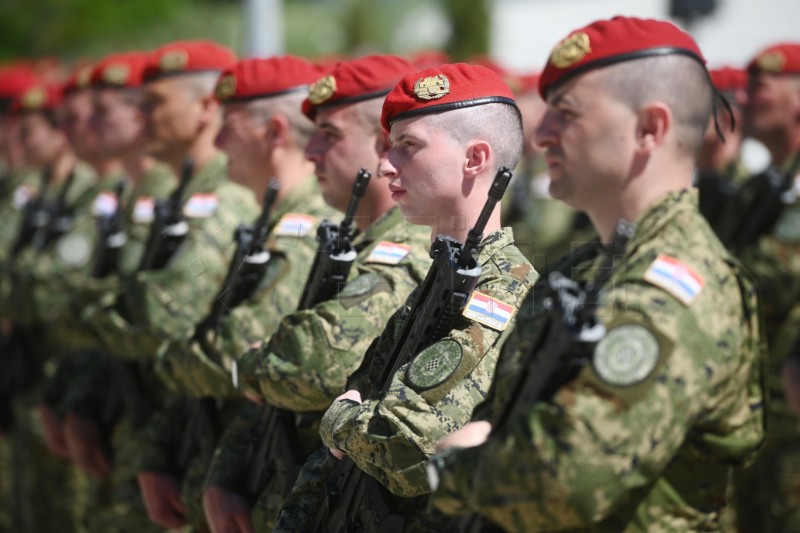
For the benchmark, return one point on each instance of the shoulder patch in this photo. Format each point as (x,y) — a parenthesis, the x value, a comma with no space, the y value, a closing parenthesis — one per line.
(435,364)
(488,311)
(295,225)
(388,253)
(22,195)
(144,211)
(626,355)
(74,250)
(105,204)
(201,205)
(675,277)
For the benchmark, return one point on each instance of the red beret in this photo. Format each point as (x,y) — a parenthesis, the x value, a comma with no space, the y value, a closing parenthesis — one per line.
(429,58)
(782,58)
(39,97)
(356,80)
(14,81)
(78,80)
(444,88)
(120,70)
(188,57)
(727,79)
(250,79)
(528,82)
(606,42)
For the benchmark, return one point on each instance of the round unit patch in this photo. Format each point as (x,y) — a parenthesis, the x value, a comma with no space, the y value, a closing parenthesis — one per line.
(435,364)
(626,355)
(74,250)
(787,228)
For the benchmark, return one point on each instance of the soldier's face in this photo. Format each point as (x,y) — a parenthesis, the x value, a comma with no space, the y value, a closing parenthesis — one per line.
(118,121)
(78,109)
(773,105)
(244,138)
(425,168)
(589,142)
(41,142)
(341,144)
(172,117)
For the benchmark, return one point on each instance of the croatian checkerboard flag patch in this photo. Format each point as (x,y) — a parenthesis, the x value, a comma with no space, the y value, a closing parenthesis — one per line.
(675,277)
(488,311)
(144,210)
(201,205)
(104,203)
(295,225)
(388,253)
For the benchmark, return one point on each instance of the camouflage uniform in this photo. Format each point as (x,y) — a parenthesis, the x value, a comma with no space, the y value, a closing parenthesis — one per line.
(306,362)
(643,438)
(385,438)
(767,496)
(185,432)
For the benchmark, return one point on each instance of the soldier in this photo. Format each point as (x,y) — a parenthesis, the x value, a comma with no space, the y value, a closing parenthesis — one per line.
(305,363)
(264,134)
(768,495)
(451,128)
(665,393)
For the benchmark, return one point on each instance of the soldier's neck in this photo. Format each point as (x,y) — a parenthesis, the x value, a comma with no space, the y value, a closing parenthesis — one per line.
(137,165)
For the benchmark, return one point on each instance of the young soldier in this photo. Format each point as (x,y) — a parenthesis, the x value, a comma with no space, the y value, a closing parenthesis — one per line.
(641,433)
(451,128)
(305,363)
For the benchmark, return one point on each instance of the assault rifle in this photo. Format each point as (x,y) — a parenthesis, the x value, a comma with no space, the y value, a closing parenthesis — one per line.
(275,433)
(59,217)
(110,238)
(435,311)
(168,229)
(34,216)
(564,343)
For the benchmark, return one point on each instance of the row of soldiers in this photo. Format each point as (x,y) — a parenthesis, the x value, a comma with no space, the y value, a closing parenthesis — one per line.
(344,336)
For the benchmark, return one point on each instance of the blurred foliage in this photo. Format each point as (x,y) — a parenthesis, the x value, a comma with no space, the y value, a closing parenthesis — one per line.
(73,29)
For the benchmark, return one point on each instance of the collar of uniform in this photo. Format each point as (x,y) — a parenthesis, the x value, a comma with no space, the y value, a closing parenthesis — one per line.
(387,221)
(493,243)
(787,164)
(210,176)
(658,214)
(297,200)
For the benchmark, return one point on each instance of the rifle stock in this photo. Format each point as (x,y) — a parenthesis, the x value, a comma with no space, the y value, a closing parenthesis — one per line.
(111,238)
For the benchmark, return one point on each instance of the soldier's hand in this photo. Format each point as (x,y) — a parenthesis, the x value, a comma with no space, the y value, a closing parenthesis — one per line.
(790,375)
(162,499)
(53,431)
(226,511)
(86,446)
(473,434)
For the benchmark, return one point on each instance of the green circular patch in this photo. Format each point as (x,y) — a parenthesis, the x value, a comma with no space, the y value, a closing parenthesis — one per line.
(626,355)
(435,364)
(74,250)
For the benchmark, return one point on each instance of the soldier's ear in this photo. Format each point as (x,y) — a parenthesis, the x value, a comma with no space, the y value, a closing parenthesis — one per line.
(478,155)
(210,110)
(278,130)
(654,123)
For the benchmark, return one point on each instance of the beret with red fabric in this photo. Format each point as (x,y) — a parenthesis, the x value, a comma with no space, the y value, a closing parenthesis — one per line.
(14,81)
(429,58)
(355,81)
(39,97)
(606,42)
(781,58)
(727,79)
(188,57)
(251,79)
(444,88)
(79,79)
(120,70)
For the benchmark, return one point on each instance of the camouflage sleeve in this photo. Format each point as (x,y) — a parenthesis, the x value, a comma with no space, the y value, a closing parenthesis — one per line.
(163,436)
(392,436)
(301,505)
(612,431)
(228,468)
(309,358)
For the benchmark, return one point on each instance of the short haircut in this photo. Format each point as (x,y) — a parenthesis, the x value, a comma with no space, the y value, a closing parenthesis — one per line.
(498,124)
(289,106)
(199,85)
(680,82)
(368,113)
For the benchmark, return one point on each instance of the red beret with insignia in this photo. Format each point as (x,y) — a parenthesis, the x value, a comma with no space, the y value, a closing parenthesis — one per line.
(606,42)
(251,79)
(444,88)
(120,70)
(14,81)
(188,57)
(782,58)
(79,79)
(727,79)
(39,97)
(355,81)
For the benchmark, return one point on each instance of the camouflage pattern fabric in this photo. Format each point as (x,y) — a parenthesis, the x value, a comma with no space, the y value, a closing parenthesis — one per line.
(643,439)
(391,436)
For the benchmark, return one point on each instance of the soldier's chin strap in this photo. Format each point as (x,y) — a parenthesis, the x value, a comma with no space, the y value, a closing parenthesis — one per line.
(719,97)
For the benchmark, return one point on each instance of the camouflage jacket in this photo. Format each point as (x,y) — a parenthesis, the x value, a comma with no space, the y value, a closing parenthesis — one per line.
(152,306)
(306,363)
(186,366)
(644,437)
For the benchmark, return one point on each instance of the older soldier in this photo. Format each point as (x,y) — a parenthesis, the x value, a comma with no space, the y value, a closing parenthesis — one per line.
(768,495)
(264,134)
(451,128)
(641,434)
(307,360)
